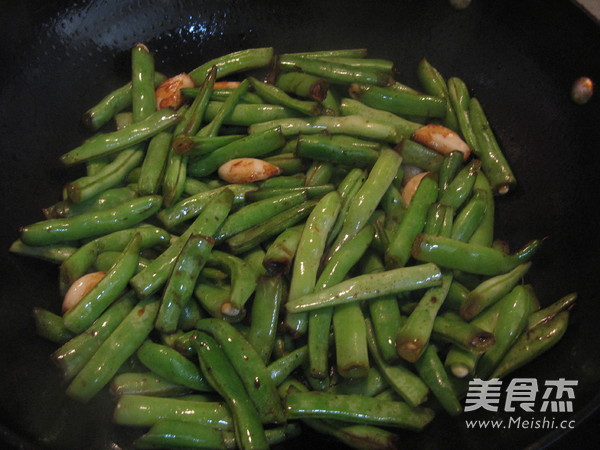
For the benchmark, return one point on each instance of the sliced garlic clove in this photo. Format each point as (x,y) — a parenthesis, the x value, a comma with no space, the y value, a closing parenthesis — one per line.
(80,288)
(410,171)
(226,84)
(441,139)
(411,187)
(168,93)
(247,170)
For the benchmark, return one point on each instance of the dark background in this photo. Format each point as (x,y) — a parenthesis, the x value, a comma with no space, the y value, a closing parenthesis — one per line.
(519,58)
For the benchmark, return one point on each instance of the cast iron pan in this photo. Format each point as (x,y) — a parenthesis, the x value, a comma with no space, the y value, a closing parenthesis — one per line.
(519,58)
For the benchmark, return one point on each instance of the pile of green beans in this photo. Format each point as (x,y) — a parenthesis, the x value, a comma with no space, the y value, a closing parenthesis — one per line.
(328,296)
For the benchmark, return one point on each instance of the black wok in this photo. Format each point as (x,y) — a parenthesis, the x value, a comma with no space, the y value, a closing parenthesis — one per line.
(519,58)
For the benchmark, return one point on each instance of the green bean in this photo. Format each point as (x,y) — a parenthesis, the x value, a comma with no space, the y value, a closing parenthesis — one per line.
(450,167)
(281,368)
(239,61)
(492,290)
(275,95)
(190,207)
(471,258)
(351,125)
(461,186)
(470,217)
(220,95)
(134,383)
(154,163)
(350,341)
(318,174)
(145,411)
(176,164)
(247,424)
(207,223)
(287,163)
(251,146)
(365,287)
(254,258)
(460,99)
(281,252)
(347,189)
(93,166)
(512,321)
(398,252)
(172,366)
(106,291)
(418,155)
(345,53)
(364,437)
(434,84)
(179,434)
(50,326)
(384,313)
(248,114)
(369,386)
(190,314)
(264,316)
(310,191)
(449,327)
(357,409)
(334,73)
(284,181)
(413,337)
(406,128)
(432,371)
(114,351)
(91,224)
(331,104)
(484,234)
(351,347)
(195,114)
(212,298)
(106,200)
(331,149)
(74,354)
(531,344)
(243,281)
(108,177)
(143,102)
(544,315)
(381,65)
(438,217)
(398,102)
(202,145)
(368,197)
(308,256)
(116,101)
(456,296)
(193,186)
(493,161)
(106,260)
(303,85)
(106,143)
(249,366)
(252,237)
(80,261)
(225,109)
(52,253)
(180,286)
(257,212)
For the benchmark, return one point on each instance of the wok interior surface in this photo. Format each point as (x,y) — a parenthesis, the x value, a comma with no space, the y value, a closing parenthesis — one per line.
(518,58)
